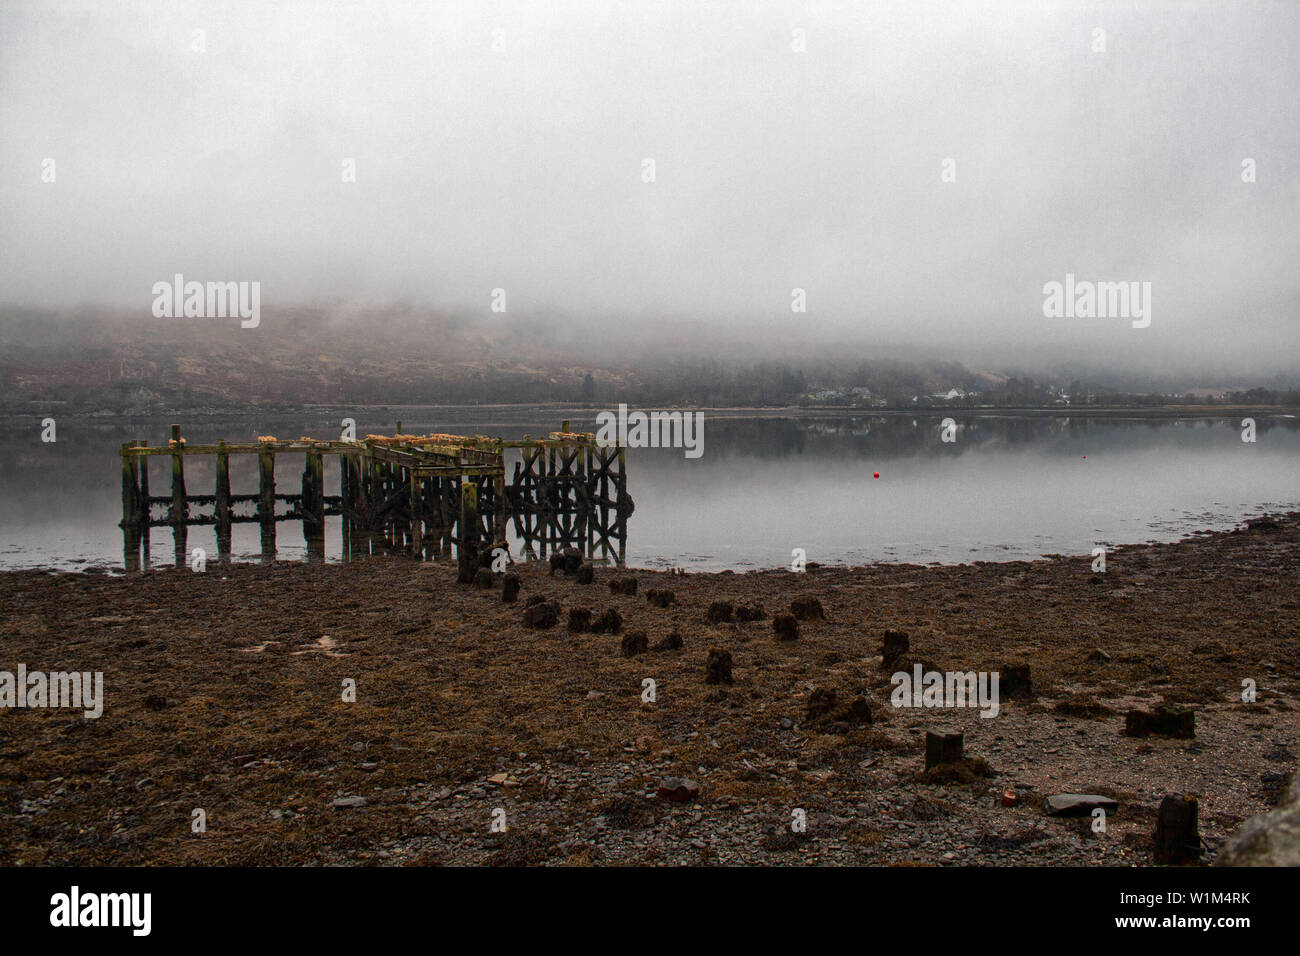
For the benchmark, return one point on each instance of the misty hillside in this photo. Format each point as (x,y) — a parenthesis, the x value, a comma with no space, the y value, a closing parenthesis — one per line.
(96,363)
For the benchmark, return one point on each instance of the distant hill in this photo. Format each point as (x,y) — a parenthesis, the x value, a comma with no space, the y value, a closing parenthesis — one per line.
(87,362)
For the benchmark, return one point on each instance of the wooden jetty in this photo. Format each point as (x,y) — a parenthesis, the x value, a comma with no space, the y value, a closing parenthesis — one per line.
(400,493)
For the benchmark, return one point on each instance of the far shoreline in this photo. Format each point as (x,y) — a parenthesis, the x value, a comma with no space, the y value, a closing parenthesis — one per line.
(278,412)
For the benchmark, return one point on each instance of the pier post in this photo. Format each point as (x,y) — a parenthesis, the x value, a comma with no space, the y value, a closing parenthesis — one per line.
(347,496)
(413,499)
(266,501)
(179,510)
(622,513)
(361,490)
(589,518)
(469,536)
(130,487)
(376,493)
(500,523)
(146,509)
(222,492)
(312,505)
(131,509)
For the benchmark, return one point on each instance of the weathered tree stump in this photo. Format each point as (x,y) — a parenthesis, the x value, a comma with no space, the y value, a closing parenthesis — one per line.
(942,748)
(1014,682)
(1178,836)
(1177,722)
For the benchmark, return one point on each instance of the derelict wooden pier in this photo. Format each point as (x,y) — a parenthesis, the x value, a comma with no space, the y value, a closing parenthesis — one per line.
(417,494)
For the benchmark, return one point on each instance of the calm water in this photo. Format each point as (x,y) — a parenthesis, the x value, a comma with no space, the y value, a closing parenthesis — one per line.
(1010,487)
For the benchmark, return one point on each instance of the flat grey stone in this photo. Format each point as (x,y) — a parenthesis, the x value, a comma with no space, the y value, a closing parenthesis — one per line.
(1065,804)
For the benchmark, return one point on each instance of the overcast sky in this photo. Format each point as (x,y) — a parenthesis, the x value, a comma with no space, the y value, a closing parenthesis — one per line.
(522,168)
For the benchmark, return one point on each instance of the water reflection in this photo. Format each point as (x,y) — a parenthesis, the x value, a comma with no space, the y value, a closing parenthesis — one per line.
(1009,486)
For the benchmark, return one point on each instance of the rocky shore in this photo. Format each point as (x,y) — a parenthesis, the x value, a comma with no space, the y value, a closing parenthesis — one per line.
(229,692)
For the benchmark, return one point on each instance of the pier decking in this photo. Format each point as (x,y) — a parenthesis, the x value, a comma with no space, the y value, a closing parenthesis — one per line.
(417,494)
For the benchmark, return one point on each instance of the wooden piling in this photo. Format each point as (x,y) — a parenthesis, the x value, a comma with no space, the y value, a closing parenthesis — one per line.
(146,507)
(469,537)
(942,748)
(179,510)
(1177,837)
(222,494)
(130,489)
(266,485)
(312,505)
(415,501)
(266,501)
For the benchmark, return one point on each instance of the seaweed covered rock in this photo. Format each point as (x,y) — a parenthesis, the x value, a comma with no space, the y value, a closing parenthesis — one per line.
(609,622)
(541,615)
(660,597)
(721,612)
(567,562)
(634,643)
(717,669)
(894,649)
(807,609)
(673,642)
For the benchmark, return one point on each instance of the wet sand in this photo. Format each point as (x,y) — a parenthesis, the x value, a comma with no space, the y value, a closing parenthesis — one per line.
(223,692)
